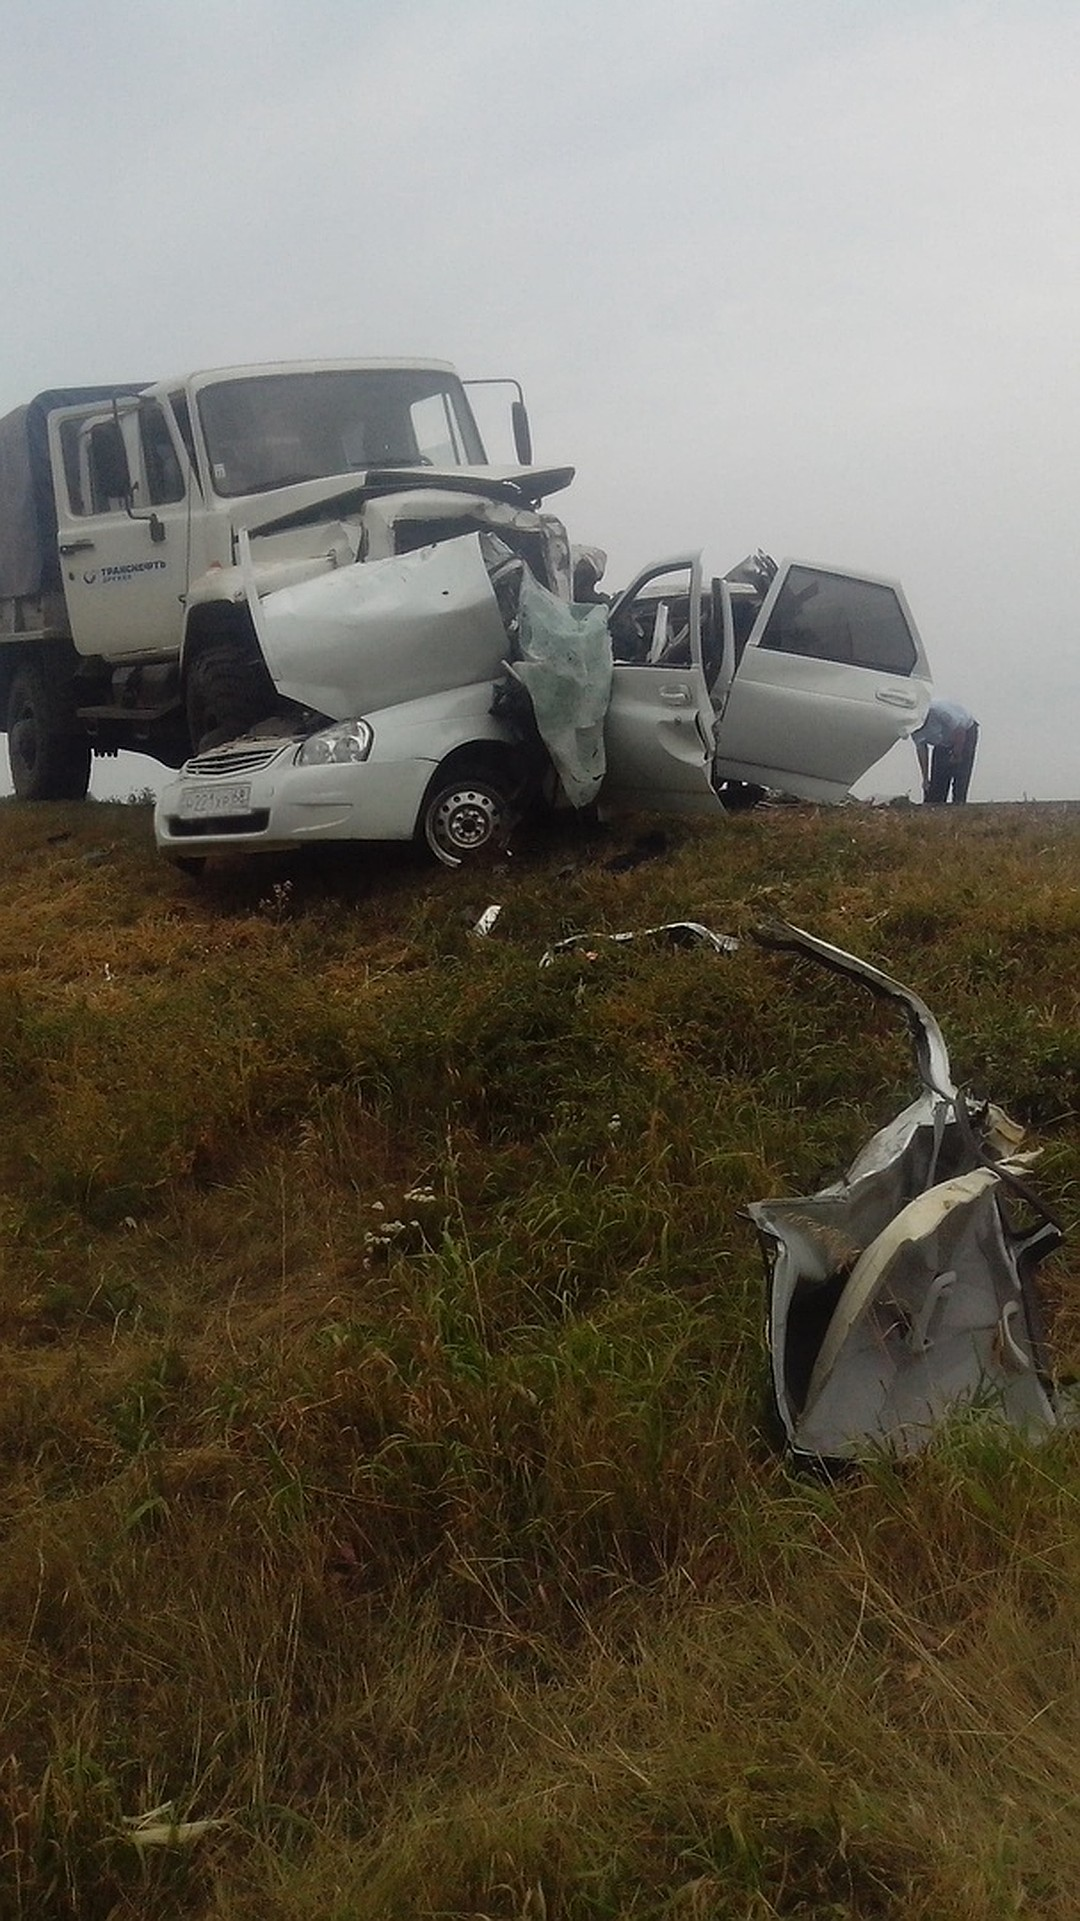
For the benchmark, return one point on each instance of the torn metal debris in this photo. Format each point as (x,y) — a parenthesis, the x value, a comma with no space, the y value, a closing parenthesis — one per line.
(672,933)
(904,1293)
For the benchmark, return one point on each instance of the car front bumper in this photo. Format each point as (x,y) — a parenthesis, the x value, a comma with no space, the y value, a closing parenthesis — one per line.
(260,800)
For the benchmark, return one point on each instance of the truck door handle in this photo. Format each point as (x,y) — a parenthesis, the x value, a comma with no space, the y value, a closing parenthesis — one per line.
(892,699)
(678,696)
(75,546)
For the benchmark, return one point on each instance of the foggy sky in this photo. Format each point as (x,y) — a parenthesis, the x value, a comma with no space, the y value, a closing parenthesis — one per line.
(800,274)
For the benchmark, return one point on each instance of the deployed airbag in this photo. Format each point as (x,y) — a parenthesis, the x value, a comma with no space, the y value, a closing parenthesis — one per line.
(565,665)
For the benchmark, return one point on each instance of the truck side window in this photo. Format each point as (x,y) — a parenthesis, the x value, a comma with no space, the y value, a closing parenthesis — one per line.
(164,480)
(69,447)
(182,413)
(110,482)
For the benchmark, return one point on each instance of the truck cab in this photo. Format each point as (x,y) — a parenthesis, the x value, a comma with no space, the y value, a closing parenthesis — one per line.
(124,621)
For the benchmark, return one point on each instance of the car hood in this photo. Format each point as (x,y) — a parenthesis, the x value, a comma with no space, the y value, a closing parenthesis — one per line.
(380,632)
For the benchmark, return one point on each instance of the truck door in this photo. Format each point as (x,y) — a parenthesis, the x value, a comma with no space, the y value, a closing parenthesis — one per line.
(832,675)
(658,732)
(125,573)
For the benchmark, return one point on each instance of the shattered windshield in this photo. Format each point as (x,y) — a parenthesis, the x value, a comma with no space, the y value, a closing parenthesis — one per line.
(270,430)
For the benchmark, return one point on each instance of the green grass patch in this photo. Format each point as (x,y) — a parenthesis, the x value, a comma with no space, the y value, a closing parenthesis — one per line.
(381,1412)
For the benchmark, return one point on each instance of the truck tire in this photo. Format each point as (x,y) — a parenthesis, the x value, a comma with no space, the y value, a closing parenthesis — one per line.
(228,691)
(467,813)
(50,758)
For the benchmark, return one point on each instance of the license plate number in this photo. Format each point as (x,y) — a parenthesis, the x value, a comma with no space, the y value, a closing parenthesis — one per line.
(197,802)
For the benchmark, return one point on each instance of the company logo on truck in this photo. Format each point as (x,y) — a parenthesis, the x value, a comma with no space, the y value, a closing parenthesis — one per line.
(110,575)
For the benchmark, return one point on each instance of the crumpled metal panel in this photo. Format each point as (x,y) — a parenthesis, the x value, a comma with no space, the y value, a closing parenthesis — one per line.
(903,1293)
(671,933)
(382,632)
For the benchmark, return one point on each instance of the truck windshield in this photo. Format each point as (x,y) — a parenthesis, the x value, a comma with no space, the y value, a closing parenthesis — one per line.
(269,430)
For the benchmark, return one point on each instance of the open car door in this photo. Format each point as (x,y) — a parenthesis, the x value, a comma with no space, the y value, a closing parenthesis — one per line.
(659,725)
(832,675)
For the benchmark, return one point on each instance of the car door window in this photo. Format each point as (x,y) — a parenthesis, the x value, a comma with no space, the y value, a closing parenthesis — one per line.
(633,631)
(652,632)
(837,617)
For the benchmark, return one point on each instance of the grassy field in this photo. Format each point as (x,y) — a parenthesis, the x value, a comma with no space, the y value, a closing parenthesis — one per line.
(384,1474)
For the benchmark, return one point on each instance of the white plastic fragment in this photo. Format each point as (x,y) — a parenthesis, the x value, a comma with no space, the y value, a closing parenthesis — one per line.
(158,1828)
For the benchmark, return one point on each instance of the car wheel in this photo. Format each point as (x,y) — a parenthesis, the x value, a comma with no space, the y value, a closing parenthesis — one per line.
(739,796)
(466,815)
(227,692)
(49,759)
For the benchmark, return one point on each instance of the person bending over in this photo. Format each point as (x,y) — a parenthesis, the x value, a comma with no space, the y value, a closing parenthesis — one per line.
(953,735)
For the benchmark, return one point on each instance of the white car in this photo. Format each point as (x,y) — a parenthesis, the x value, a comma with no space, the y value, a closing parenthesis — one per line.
(797,678)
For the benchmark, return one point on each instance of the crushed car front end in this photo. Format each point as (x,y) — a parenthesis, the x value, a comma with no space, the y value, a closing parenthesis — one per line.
(359,779)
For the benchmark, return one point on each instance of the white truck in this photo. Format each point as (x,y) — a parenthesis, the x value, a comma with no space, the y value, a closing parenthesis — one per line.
(124,616)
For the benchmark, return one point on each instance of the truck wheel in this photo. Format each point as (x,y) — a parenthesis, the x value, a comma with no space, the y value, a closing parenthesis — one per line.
(466,815)
(49,759)
(227,692)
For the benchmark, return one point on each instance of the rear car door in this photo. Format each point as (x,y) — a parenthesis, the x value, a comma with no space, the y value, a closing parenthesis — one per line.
(658,731)
(833,674)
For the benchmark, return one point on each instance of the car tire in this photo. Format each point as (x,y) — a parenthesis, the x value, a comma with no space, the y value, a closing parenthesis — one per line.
(49,757)
(467,814)
(228,692)
(739,796)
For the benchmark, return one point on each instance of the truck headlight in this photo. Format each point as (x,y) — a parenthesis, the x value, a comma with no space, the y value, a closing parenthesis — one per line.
(350,740)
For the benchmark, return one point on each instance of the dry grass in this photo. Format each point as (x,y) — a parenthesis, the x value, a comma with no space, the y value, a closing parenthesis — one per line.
(380,1409)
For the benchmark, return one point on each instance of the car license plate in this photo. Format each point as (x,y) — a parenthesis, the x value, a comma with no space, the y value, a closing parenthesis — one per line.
(233,797)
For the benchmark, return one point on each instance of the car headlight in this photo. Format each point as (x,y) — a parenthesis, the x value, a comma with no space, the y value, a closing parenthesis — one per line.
(350,740)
